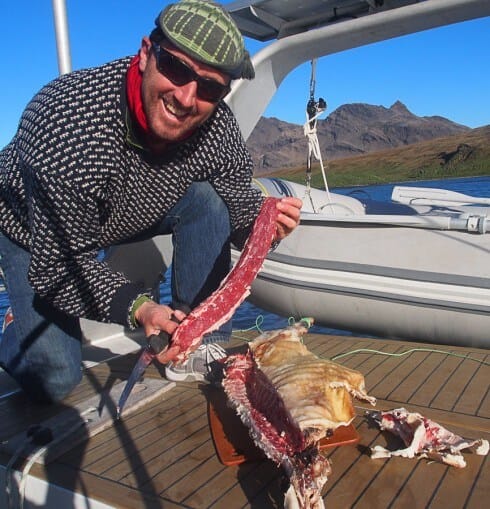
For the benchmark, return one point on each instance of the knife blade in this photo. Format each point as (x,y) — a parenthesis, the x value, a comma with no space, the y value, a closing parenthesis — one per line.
(156,343)
(144,360)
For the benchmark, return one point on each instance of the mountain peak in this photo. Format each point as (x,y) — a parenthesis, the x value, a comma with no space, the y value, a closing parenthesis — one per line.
(352,129)
(399,107)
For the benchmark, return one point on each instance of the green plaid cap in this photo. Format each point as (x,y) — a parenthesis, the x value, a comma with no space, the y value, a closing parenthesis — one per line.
(205,31)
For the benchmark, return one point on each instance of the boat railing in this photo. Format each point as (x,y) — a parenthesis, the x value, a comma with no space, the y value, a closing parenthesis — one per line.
(475,223)
(434,196)
(249,99)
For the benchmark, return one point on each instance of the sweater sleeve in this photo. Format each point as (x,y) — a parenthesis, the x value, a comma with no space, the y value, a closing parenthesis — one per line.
(65,268)
(63,208)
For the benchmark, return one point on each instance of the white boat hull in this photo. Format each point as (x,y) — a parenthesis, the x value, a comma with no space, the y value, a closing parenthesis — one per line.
(413,283)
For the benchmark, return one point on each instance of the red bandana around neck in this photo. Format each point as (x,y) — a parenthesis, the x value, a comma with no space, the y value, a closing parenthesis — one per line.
(133,92)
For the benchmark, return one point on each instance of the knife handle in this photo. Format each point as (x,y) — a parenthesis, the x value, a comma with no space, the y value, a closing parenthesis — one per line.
(157,342)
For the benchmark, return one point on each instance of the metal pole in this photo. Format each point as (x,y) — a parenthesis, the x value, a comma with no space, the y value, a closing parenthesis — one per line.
(62,39)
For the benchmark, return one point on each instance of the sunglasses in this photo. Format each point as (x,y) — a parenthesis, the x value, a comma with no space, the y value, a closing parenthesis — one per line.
(179,73)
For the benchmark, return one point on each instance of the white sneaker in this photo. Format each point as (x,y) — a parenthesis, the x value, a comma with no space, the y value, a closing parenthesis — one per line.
(203,365)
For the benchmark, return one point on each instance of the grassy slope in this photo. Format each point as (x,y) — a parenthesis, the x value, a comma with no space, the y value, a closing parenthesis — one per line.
(455,156)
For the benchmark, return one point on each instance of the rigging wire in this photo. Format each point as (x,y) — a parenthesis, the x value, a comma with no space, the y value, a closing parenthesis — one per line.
(313,110)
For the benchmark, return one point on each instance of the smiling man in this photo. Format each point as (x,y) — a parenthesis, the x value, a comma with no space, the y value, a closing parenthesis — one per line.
(135,148)
(174,113)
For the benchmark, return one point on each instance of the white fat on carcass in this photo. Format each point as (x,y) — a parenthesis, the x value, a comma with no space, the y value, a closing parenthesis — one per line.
(291,500)
(290,399)
(424,438)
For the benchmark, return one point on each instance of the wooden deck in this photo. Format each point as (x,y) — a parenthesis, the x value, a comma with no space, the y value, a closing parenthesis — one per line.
(163,455)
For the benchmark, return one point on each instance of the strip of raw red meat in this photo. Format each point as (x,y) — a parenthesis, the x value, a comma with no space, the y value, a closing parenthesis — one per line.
(233,290)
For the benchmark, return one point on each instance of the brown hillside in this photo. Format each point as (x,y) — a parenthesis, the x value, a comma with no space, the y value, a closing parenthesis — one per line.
(452,156)
(349,131)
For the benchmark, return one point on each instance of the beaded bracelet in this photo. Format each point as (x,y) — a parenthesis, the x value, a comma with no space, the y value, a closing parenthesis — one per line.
(136,305)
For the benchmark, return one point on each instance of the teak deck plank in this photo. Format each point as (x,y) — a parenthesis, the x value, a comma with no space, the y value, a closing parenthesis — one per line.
(163,455)
(477,387)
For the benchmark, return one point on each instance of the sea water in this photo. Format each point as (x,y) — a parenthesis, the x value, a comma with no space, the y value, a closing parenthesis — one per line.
(249,316)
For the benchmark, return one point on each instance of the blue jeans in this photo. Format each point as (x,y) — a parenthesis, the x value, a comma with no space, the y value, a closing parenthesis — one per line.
(41,348)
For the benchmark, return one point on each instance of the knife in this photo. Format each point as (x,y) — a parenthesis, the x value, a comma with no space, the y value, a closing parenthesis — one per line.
(156,343)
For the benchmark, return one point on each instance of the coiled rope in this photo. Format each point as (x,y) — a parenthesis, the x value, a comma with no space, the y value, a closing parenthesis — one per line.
(292,320)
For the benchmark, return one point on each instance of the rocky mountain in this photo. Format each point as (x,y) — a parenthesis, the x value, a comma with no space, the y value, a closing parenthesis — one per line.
(350,130)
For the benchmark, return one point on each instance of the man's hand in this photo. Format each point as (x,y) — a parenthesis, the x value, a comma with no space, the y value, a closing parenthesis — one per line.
(288,218)
(155,318)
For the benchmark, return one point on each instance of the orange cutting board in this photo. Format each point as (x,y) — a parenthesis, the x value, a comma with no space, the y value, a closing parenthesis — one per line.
(232,440)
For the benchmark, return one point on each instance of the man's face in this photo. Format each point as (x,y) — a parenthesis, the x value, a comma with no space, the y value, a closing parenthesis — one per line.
(173,112)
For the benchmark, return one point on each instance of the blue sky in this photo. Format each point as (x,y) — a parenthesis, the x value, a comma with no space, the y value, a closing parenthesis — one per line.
(445,71)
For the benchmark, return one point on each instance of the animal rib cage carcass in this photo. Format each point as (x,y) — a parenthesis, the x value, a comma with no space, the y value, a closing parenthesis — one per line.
(290,399)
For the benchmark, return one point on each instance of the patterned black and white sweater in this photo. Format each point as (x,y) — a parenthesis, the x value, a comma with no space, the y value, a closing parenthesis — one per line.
(71,184)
